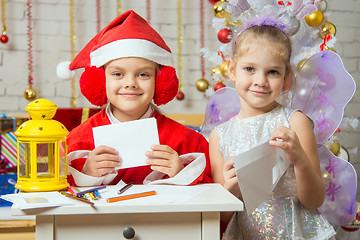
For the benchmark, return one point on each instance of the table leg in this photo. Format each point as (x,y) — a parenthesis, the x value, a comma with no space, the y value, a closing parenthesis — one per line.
(44,229)
(210,225)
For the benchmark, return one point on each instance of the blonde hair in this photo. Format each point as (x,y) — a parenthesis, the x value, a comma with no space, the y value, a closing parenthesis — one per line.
(264,32)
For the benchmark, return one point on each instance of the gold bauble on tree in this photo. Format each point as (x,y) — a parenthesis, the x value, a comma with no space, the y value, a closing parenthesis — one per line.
(30,93)
(219,11)
(315,19)
(301,63)
(224,69)
(335,148)
(202,84)
(327,28)
(216,70)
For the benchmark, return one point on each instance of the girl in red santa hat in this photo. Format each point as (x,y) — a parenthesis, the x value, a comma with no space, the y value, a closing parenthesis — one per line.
(127,66)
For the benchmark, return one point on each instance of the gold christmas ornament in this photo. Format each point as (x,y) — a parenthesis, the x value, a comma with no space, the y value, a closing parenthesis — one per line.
(202,84)
(216,70)
(230,23)
(327,28)
(334,148)
(219,11)
(30,93)
(224,69)
(315,19)
(301,63)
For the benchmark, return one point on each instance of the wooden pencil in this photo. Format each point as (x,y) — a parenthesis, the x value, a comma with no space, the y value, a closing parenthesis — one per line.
(77,198)
(131,196)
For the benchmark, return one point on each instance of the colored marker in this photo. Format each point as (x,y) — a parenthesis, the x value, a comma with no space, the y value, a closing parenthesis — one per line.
(90,190)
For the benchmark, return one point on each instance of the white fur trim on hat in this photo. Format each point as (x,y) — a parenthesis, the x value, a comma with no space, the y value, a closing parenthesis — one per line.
(131,48)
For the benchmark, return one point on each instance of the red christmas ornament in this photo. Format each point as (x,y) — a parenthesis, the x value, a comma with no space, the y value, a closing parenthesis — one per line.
(218,85)
(4,38)
(180,95)
(213,1)
(224,35)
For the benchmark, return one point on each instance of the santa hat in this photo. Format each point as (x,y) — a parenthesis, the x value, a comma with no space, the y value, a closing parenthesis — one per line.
(128,35)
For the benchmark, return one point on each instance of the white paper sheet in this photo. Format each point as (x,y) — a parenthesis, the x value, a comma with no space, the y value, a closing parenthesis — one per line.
(258,171)
(132,139)
(164,193)
(38,200)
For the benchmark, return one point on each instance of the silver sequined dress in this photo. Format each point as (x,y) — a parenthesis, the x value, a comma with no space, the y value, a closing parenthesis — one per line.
(281,215)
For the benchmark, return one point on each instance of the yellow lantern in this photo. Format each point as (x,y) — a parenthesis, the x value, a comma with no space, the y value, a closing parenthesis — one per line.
(42,166)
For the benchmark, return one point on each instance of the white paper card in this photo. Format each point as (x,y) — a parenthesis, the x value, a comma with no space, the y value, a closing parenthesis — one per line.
(131,139)
(38,200)
(258,170)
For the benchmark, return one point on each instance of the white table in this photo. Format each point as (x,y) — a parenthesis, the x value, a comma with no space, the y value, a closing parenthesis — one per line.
(197,218)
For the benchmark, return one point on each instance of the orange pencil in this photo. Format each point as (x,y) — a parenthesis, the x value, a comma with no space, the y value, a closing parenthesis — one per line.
(131,196)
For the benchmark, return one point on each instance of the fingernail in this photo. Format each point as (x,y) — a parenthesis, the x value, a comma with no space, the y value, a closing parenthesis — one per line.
(147,161)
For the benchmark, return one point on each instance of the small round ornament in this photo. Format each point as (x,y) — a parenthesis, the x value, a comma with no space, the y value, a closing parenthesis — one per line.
(219,85)
(4,38)
(301,63)
(30,93)
(315,19)
(213,1)
(322,5)
(335,148)
(180,95)
(294,26)
(224,35)
(216,70)
(219,11)
(327,28)
(202,84)
(224,69)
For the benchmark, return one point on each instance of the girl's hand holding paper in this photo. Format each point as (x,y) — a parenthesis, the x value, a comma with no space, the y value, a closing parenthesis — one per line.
(164,159)
(101,161)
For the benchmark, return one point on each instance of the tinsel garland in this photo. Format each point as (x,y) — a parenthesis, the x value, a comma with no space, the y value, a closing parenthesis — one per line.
(3,17)
(72,49)
(98,16)
(202,40)
(118,7)
(180,41)
(30,43)
(148,11)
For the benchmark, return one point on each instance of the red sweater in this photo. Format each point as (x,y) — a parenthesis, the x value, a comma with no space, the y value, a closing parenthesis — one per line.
(180,138)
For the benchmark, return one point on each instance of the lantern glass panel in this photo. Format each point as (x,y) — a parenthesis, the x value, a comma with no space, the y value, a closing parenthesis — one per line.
(63,155)
(45,159)
(24,160)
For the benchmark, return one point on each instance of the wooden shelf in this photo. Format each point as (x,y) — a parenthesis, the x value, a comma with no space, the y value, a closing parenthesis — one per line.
(17,229)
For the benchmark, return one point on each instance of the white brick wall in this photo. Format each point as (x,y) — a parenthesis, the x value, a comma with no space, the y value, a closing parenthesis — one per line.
(52,45)
(346,17)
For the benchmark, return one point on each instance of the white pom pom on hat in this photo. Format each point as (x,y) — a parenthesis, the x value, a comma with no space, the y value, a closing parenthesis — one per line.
(63,71)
